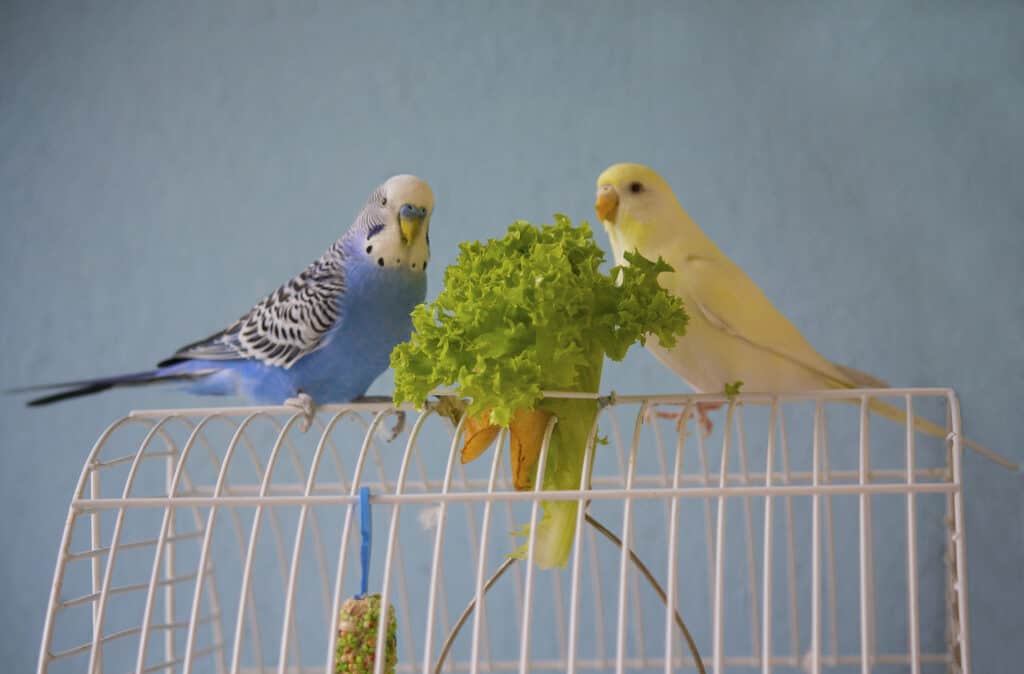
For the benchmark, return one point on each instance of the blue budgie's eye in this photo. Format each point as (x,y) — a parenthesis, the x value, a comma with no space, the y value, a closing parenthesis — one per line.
(304,341)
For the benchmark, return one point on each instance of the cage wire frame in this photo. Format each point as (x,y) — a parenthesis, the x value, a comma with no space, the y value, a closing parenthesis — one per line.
(776,488)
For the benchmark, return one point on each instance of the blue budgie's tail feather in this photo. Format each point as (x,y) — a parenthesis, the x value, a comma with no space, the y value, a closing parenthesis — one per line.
(84,387)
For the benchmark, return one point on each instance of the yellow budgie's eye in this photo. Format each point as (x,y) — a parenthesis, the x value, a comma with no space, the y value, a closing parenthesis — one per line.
(636,188)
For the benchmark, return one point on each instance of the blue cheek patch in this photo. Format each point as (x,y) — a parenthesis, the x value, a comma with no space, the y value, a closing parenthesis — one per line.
(374,231)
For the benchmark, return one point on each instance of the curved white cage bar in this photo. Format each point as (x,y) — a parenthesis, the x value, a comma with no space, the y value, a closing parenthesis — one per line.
(802,535)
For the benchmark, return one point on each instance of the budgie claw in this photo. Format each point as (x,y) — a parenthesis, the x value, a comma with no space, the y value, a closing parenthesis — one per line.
(304,404)
(397,429)
(703,420)
(388,434)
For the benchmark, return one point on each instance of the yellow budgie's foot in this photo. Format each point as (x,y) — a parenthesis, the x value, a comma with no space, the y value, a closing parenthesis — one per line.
(702,416)
(707,425)
(703,420)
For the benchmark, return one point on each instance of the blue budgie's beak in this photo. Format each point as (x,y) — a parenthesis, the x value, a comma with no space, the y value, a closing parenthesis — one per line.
(410,219)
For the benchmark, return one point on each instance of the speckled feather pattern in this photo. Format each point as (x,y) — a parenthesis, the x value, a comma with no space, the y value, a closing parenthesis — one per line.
(328,332)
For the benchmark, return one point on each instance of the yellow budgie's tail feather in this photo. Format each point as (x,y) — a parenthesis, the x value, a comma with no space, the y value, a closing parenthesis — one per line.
(924,426)
(861,379)
(856,379)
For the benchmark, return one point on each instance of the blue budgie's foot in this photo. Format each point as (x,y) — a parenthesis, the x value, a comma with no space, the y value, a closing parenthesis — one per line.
(389,434)
(306,407)
(396,430)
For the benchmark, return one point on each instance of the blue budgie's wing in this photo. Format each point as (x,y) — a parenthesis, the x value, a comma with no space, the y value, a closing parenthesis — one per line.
(288,324)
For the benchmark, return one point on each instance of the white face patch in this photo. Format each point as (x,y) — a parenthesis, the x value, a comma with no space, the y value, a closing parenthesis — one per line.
(384,246)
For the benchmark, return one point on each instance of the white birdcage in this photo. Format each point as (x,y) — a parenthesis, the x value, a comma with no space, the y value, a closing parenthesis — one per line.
(226,539)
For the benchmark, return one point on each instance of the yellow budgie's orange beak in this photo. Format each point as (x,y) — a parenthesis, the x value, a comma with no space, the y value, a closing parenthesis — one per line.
(607,203)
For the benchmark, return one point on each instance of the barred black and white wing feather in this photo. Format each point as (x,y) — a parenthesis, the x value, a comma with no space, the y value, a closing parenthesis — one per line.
(288,324)
(261,356)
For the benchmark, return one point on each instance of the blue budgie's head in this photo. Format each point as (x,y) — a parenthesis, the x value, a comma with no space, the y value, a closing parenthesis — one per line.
(393,227)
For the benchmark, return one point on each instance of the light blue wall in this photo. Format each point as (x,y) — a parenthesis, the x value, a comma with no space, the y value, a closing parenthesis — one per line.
(163,166)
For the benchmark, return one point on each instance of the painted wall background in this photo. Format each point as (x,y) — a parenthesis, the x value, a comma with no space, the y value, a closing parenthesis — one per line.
(164,165)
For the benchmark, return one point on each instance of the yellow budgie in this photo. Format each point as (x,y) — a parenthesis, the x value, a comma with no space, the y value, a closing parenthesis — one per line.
(735,333)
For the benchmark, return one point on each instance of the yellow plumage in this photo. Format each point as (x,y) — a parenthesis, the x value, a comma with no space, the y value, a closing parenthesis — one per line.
(735,333)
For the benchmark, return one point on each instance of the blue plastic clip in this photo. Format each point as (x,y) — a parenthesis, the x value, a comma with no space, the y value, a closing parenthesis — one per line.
(366,536)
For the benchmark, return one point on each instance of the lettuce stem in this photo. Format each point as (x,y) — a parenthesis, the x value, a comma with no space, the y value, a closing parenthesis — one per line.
(564,468)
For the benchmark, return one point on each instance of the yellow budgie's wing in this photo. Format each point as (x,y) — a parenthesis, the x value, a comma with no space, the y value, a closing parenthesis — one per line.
(733,303)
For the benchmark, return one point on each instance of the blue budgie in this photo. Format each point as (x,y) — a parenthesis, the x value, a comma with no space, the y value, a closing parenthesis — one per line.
(323,336)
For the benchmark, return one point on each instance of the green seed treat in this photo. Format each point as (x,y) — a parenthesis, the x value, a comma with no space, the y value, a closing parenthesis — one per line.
(357,637)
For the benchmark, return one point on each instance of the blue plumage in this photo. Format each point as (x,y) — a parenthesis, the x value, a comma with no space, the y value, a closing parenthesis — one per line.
(376,306)
(326,334)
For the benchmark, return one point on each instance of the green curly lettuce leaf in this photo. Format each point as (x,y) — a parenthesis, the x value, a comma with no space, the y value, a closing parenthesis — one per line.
(530,312)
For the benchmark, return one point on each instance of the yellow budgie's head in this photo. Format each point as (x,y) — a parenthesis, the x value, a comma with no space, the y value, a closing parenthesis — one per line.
(639,211)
